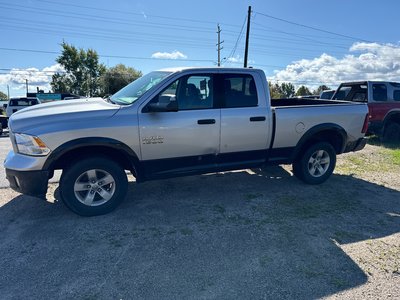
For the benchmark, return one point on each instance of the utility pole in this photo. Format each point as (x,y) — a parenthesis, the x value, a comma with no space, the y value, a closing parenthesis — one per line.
(246,50)
(219,48)
(26,83)
(8,92)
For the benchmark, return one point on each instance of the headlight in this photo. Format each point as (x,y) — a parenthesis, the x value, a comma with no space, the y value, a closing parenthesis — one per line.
(30,145)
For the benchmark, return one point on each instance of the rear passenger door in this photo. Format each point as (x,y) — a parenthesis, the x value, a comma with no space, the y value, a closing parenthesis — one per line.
(244,124)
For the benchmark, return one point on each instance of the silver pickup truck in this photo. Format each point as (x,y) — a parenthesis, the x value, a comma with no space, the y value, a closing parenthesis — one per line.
(171,123)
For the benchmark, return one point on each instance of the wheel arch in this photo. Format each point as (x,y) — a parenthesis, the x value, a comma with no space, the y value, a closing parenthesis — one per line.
(327,132)
(392,116)
(78,148)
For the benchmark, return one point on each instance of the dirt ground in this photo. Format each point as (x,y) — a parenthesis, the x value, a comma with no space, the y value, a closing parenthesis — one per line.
(258,234)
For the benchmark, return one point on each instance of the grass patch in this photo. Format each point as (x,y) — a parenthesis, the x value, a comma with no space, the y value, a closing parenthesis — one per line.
(393,155)
(383,158)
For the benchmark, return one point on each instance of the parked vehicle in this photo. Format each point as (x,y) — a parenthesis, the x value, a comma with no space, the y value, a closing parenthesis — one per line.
(16,104)
(3,121)
(171,123)
(327,94)
(383,100)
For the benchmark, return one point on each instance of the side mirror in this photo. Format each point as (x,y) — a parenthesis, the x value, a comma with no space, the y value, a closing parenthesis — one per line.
(5,106)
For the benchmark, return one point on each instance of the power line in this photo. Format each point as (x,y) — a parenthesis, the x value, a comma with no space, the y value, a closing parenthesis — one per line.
(107,56)
(238,39)
(302,37)
(132,13)
(313,28)
(83,16)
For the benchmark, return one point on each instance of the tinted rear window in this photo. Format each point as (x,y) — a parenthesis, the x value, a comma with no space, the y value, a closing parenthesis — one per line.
(396,95)
(23,102)
(379,92)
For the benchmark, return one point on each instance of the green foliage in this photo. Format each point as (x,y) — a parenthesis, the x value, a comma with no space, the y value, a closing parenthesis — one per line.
(320,89)
(117,77)
(284,90)
(3,96)
(83,72)
(288,90)
(302,91)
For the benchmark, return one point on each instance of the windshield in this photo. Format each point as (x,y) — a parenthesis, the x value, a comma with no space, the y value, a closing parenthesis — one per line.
(137,88)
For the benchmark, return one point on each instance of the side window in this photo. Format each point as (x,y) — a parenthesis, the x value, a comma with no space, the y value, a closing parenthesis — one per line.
(195,92)
(359,97)
(188,93)
(342,93)
(239,91)
(396,95)
(379,92)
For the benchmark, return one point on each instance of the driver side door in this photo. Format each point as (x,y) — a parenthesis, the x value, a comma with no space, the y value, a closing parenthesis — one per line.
(185,140)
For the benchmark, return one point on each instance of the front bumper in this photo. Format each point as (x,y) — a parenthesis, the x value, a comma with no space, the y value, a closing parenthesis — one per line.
(33,183)
(26,174)
(356,145)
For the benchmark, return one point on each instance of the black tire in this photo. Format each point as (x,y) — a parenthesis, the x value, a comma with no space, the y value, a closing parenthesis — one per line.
(316,164)
(391,133)
(93,186)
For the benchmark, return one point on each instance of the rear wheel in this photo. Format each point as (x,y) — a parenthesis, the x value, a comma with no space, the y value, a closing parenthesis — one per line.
(316,164)
(391,133)
(93,186)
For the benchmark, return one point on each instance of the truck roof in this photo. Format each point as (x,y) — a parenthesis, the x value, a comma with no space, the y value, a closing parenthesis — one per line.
(179,69)
(370,81)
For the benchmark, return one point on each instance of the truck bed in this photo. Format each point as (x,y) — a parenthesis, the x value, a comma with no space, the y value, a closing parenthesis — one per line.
(303,102)
(295,116)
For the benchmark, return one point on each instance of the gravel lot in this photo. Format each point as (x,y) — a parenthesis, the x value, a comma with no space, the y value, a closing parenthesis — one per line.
(257,234)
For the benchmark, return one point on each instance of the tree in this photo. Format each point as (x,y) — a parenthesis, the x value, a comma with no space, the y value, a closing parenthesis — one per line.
(3,96)
(275,90)
(287,90)
(302,91)
(320,89)
(117,77)
(82,72)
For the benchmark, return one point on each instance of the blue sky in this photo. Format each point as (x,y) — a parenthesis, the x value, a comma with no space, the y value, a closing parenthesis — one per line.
(183,33)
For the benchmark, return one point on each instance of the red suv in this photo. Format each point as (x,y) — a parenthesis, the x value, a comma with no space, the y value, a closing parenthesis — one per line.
(383,100)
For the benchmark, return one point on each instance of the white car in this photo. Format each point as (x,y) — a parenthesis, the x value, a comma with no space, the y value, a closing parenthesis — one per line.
(16,104)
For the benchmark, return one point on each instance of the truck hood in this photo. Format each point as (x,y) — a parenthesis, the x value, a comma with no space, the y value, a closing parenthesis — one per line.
(28,120)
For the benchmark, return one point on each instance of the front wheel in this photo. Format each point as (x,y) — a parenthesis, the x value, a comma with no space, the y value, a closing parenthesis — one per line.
(316,164)
(93,186)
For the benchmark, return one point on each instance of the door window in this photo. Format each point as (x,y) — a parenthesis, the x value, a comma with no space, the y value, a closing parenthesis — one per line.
(190,92)
(239,91)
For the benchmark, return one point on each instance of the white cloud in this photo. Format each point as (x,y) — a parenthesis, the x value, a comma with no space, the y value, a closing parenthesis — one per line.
(169,55)
(370,61)
(16,78)
(235,59)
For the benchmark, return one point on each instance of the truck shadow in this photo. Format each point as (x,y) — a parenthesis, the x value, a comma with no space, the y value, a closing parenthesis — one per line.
(259,234)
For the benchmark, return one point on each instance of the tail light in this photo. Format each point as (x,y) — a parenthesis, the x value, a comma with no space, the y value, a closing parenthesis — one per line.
(365,126)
